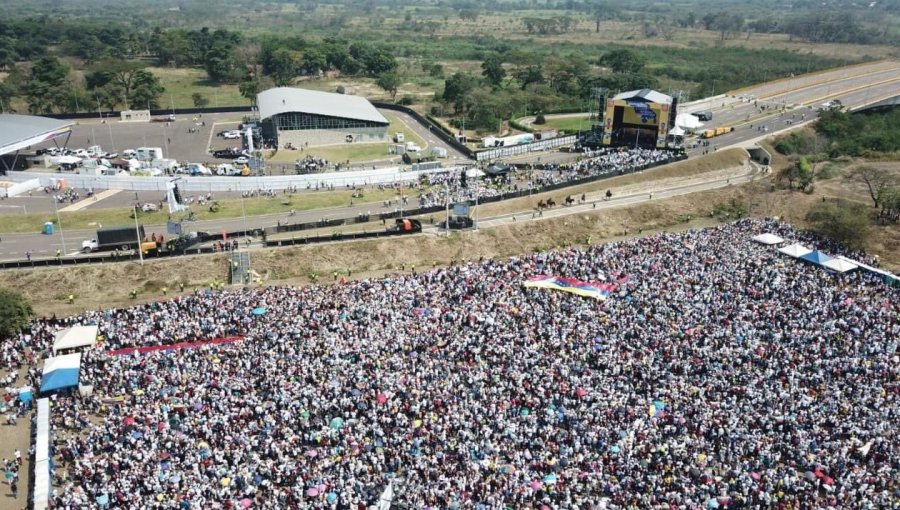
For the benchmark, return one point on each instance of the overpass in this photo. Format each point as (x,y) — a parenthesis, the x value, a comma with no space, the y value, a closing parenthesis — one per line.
(878,106)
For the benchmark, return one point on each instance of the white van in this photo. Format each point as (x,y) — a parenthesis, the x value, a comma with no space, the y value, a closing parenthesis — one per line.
(149,153)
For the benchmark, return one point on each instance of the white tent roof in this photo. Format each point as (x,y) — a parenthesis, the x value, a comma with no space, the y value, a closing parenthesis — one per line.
(287,99)
(796,250)
(768,238)
(676,131)
(840,265)
(76,336)
(687,121)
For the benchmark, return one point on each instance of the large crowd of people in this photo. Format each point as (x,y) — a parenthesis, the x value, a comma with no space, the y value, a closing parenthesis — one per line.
(718,373)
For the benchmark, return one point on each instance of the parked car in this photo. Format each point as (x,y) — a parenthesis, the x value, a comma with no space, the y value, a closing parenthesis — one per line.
(242,160)
(232,135)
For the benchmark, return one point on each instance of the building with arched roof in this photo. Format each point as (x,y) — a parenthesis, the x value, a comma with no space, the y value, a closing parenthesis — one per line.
(301,118)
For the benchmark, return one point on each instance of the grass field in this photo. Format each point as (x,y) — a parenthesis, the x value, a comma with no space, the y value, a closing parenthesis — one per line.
(567,124)
(91,218)
(355,152)
(181,83)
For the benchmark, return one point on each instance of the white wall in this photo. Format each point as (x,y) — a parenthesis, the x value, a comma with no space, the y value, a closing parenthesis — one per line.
(217,183)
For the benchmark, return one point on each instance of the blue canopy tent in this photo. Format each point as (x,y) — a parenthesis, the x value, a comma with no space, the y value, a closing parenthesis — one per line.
(61,372)
(816,257)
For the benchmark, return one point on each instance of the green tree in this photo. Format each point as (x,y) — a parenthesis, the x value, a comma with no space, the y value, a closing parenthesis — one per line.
(878,182)
(457,88)
(250,88)
(492,70)
(390,82)
(7,93)
(15,313)
(283,66)
(841,220)
(199,99)
(146,90)
(623,61)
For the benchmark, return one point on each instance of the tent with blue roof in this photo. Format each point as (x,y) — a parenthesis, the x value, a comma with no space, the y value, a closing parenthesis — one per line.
(816,257)
(61,372)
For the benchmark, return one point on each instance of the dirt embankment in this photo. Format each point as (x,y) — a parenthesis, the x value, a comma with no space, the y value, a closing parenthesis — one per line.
(109,285)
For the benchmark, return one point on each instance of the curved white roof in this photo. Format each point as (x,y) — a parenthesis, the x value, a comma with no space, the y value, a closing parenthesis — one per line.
(21,131)
(287,99)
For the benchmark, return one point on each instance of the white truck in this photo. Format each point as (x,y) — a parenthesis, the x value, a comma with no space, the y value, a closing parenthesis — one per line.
(399,137)
(412,147)
(148,153)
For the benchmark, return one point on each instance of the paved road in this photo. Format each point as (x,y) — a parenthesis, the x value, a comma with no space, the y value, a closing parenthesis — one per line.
(854,86)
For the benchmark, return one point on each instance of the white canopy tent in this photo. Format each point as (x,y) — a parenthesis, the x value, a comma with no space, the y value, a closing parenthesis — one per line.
(76,336)
(840,265)
(676,131)
(768,238)
(795,250)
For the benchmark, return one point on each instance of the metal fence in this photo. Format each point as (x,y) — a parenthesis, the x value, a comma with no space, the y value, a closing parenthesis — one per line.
(355,178)
(525,148)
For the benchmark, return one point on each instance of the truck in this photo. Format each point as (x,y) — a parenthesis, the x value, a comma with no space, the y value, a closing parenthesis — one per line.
(406,226)
(399,137)
(705,116)
(148,153)
(711,133)
(115,238)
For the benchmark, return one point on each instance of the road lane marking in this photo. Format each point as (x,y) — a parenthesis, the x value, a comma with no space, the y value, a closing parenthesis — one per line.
(81,204)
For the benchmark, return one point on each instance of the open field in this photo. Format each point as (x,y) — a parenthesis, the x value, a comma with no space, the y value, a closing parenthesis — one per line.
(355,152)
(181,83)
(91,218)
(567,124)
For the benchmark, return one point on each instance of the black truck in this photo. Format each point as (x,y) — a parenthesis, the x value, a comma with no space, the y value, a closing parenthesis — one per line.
(114,238)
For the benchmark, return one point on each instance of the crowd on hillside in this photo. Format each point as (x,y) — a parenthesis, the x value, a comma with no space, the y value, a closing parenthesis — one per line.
(718,373)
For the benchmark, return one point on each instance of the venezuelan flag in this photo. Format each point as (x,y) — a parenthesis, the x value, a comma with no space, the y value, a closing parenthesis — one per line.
(586,289)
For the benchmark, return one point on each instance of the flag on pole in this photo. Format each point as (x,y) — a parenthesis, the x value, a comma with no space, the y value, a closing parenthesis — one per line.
(384,502)
(173,197)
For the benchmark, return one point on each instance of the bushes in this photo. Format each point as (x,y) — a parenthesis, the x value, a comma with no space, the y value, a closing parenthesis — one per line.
(841,220)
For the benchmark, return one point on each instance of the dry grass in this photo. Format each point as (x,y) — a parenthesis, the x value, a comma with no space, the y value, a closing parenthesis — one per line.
(109,285)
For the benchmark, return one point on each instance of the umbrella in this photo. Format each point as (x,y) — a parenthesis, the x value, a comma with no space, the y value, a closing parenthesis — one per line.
(312,453)
(129,420)
(712,503)
(525,411)
(225,481)
(103,500)
(259,311)
(337,423)
(246,503)
(550,479)
(175,479)
(137,435)
(331,497)
(381,398)
(581,392)
(535,484)
(312,492)
(362,406)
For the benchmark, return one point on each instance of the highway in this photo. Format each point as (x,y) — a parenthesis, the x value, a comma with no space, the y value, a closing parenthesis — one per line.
(854,86)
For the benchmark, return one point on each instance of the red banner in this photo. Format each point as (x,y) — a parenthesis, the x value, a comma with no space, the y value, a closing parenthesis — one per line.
(175,347)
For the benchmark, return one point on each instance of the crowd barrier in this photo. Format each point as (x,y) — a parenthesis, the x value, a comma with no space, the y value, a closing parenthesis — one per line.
(213,184)
(263,233)
(525,148)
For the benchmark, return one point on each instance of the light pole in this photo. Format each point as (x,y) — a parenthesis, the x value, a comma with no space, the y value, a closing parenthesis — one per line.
(137,232)
(59,222)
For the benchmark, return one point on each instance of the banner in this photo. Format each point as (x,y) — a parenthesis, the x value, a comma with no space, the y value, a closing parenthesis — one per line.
(571,285)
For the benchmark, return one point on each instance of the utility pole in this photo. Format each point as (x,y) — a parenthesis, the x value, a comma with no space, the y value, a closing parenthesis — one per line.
(137,232)
(59,222)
